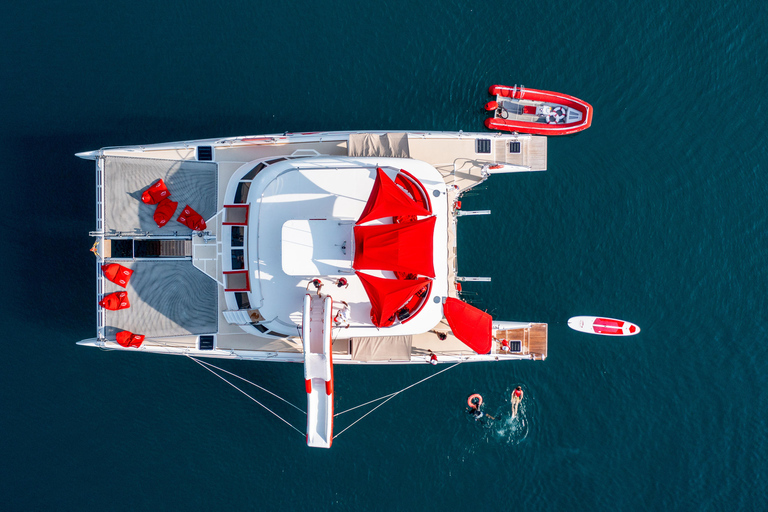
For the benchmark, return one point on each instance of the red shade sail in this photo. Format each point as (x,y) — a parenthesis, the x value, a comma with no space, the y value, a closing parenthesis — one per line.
(396,247)
(388,200)
(156,193)
(128,339)
(191,219)
(117,273)
(115,301)
(388,295)
(469,324)
(164,211)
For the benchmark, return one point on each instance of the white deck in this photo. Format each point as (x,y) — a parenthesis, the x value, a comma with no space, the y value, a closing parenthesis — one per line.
(317,247)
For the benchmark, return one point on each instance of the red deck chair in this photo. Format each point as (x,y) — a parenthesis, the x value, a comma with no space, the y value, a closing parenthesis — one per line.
(128,339)
(156,193)
(117,273)
(115,301)
(191,219)
(164,212)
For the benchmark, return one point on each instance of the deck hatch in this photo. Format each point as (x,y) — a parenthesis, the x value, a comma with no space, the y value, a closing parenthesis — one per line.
(206,342)
(483,146)
(515,146)
(236,281)
(122,248)
(204,153)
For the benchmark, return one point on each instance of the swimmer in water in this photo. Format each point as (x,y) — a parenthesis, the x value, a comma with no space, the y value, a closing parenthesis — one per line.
(478,414)
(517,397)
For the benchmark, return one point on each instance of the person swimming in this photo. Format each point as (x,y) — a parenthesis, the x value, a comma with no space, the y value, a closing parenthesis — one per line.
(474,409)
(517,397)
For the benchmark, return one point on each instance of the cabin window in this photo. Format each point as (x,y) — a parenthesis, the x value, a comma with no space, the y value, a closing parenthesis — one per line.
(241,194)
(238,259)
(238,236)
(242,300)
(253,172)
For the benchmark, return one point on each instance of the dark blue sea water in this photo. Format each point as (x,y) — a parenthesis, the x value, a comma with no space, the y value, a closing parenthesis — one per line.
(655,215)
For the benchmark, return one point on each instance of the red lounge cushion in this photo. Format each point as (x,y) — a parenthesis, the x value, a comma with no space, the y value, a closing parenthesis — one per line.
(128,339)
(116,273)
(529,109)
(115,301)
(191,219)
(156,193)
(164,212)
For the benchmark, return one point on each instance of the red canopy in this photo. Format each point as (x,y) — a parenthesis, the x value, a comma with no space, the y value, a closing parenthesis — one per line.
(128,339)
(164,211)
(396,247)
(388,295)
(469,324)
(115,301)
(388,200)
(156,193)
(117,273)
(191,219)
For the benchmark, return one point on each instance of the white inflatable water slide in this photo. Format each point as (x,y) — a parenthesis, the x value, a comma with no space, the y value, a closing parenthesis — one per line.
(317,327)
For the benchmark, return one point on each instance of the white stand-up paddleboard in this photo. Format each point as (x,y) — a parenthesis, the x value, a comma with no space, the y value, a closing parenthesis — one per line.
(602,325)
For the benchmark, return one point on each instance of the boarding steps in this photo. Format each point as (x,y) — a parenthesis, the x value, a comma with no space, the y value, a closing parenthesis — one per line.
(318,369)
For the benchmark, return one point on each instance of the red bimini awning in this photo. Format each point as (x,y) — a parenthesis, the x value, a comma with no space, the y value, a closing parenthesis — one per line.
(191,219)
(156,193)
(387,200)
(128,339)
(164,212)
(396,247)
(117,273)
(469,324)
(387,296)
(115,301)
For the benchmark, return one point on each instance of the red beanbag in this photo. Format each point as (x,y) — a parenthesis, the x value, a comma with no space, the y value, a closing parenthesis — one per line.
(191,219)
(164,212)
(116,273)
(115,301)
(128,339)
(156,193)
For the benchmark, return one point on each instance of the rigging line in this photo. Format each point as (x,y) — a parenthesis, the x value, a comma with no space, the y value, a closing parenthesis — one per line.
(246,394)
(366,403)
(364,415)
(249,382)
(397,393)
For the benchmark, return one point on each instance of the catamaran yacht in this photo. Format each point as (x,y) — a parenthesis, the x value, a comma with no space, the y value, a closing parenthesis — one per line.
(320,248)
